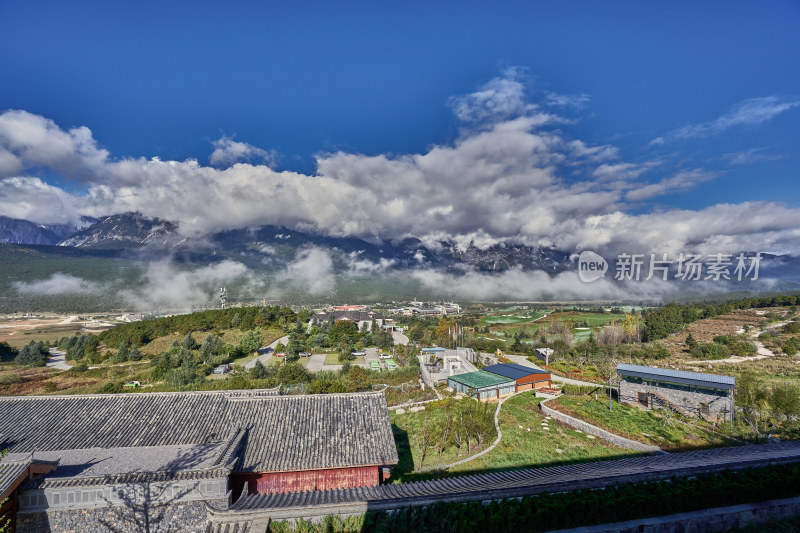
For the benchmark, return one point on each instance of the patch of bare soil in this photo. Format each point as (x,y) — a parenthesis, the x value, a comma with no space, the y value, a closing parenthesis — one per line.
(706,329)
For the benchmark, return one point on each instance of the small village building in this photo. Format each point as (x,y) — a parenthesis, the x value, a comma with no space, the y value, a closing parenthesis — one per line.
(708,396)
(483,386)
(525,378)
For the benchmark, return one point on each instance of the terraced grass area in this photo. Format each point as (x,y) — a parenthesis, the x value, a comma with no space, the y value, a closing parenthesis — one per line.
(526,442)
(662,430)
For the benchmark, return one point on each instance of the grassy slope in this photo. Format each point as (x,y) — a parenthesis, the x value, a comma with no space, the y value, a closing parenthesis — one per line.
(537,447)
(643,426)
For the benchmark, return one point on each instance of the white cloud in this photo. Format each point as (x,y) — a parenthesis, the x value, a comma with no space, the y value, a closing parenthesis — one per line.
(619,171)
(228,152)
(502,98)
(519,285)
(682,181)
(502,181)
(749,157)
(576,101)
(749,112)
(33,199)
(28,140)
(165,285)
(310,272)
(58,283)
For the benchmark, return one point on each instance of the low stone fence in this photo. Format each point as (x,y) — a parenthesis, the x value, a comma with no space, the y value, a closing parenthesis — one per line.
(597,432)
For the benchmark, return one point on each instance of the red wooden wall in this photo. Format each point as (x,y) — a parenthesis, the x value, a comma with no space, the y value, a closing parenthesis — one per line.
(334,478)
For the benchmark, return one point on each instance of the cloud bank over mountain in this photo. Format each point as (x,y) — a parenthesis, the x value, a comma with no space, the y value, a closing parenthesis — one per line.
(512,174)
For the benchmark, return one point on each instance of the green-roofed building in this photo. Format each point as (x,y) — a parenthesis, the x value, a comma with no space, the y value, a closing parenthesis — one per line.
(482,385)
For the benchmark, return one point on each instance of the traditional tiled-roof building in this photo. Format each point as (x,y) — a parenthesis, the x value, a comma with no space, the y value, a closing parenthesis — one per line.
(193,446)
(361,317)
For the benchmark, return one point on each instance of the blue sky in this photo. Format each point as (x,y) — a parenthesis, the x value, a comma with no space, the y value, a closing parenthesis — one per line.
(697,105)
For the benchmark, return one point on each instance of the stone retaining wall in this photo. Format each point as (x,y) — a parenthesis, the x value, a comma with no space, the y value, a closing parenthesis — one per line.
(187,517)
(718,406)
(597,432)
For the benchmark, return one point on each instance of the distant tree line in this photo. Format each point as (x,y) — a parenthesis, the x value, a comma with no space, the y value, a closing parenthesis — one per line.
(242,318)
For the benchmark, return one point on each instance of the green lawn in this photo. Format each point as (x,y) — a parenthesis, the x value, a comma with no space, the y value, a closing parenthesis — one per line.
(513,317)
(406,428)
(650,427)
(593,319)
(333,359)
(520,447)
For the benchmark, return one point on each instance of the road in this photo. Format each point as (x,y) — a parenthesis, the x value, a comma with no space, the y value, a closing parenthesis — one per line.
(399,338)
(265,356)
(58,359)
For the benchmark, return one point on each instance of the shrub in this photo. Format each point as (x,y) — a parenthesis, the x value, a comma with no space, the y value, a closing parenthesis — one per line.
(80,367)
(710,350)
(11,379)
(580,390)
(791,327)
(110,388)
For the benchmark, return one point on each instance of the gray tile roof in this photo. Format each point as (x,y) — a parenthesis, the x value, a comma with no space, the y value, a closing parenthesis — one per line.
(677,376)
(278,433)
(11,470)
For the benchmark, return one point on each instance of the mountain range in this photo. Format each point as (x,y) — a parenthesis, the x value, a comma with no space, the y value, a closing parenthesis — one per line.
(273,246)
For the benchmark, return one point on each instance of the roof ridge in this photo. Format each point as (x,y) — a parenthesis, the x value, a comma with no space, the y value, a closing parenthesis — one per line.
(221,392)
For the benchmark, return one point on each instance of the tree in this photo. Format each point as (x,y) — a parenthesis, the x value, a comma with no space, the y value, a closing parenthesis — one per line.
(134,354)
(188,342)
(33,354)
(122,353)
(690,341)
(252,340)
(426,436)
(7,353)
(259,371)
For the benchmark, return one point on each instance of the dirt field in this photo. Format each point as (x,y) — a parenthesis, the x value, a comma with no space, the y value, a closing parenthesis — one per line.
(706,329)
(20,331)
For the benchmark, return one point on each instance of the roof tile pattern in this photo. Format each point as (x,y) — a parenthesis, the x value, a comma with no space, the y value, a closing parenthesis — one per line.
(530,481)
(10,472)
(281,433)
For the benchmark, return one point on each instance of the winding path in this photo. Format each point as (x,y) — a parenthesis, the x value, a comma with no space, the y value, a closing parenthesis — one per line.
(491,446)
(58,359)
